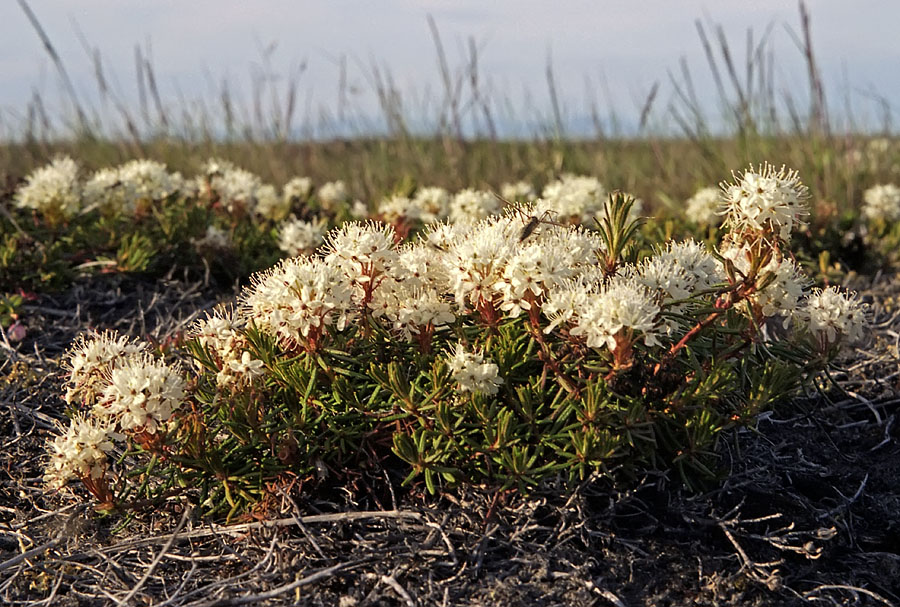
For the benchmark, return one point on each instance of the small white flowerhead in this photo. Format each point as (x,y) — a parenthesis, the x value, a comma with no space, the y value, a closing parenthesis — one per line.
(363,251)
(766,201)
(333,194)
(150,180)
(107,191)
(398,208)
(783,283)
(52,190)
(142,395)
(470,206)
(474,373)
(297,189)
(573,199)
(411,309)
(703,208)
(474,260)
(882,203)
(216,167)
(238,190)
(221,334)
(433,204)
(832,317)
(269,205)
(299,237)
(78,451)
(297,299)
(622,311)
(519,191)
(90,360)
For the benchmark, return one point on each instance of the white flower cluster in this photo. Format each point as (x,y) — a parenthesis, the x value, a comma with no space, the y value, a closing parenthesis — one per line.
(519,191)
(333,194)
(90,361)
(142,393)
(767,201)
(363,251)
(882,203)
(675,274)
(832,317)
(573,199)
(432,204)
(412,309)
(398,208)
(703,207)
(106,191)
(52,190)
(607,314)
(783,283)
(242,192)
(298,189)
(298,298)
(470,205)
(150,180)
(220,333)
(299,237)
(473,373)
(126,390)
(78,452)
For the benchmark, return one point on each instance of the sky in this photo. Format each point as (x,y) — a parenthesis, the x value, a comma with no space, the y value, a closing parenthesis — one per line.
(607,54)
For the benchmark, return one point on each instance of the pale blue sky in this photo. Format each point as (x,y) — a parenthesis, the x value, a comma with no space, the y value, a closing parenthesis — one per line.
(621,46)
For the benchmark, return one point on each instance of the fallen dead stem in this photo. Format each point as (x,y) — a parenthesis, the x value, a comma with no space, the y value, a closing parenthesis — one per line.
(810,500)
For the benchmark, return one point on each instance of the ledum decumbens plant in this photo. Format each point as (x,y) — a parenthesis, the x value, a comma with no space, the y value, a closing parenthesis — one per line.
(508,347)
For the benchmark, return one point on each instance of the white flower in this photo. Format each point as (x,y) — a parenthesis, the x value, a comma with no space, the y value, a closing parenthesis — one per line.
(831,316)
(216,167)
(520,191)
(420,265)
(411,308)
(269,205)
(142,394)
(766,200)
(474,261)
(882,203)
(107,191)
(299,237)
(220,333)
(79,451)
(298,298)
(359,210)
(703,207)
(433,204)
(363,251)
(397,208)
(247,367)
(565,300)
(473,373)
(91,359)
(783,283)
(297,189)
(621,308)
(150,179)
(573,199)
(237,189)
(469,206)
(333,194)
(544,259)
(52,190)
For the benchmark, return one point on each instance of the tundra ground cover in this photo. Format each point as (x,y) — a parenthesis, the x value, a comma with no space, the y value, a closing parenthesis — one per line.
(518,342)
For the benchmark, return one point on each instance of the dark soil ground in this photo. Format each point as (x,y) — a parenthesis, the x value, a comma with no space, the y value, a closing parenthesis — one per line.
(808,511)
